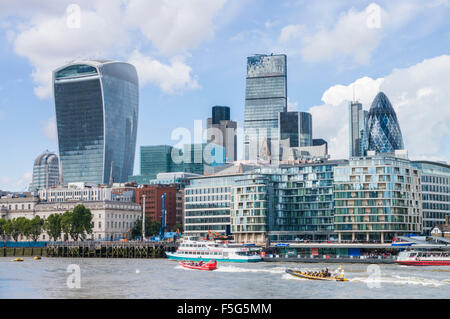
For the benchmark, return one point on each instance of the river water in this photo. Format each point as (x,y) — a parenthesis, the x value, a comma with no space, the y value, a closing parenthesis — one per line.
(162,278)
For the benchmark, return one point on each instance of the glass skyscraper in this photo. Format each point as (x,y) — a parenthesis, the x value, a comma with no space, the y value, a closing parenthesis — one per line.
(383,130)
(357,129)
(45,171)
(297,126)
(96,105)
(265,97)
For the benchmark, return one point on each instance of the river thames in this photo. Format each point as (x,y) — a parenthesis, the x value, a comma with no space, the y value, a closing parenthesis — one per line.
(162,278)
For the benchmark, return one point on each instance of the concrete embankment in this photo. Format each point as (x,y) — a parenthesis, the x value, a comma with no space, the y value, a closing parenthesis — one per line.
(22,251)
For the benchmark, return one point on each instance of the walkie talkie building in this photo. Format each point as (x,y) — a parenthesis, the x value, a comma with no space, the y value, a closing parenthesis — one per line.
(96,105)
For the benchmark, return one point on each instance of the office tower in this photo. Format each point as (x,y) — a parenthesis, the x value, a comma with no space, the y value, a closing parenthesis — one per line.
(220,113)
(156,159)
(435,193)
(193,158)
(45,171)
(96,105)
(196,156)
(357,129)
(222,131)
(297,127)
(376,199)
(265,97)
(383,131)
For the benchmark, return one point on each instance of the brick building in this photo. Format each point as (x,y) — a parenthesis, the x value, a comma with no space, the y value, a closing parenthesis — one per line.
(153,202)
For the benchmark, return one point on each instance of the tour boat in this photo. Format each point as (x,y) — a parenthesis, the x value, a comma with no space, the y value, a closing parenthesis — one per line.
(424,258)
(210,265)
(194,249)
(302,274)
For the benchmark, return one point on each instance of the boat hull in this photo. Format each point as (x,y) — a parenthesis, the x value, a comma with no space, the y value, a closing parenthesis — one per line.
(424,263)
(301,275)
(171,256)
(206,266)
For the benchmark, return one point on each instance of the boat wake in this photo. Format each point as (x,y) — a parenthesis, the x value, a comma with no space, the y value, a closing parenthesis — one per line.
(290,277)
(231,268)
(398,280)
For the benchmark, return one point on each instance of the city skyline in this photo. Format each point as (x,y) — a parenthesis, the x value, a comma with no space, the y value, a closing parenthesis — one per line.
(321,84)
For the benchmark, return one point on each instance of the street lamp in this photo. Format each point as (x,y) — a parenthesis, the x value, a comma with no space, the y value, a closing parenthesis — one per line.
(143,218)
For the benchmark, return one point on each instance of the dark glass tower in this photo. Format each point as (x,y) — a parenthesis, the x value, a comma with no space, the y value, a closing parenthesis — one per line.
(96,105)
(265,97)
(383,130)
(220,113)
(297,126)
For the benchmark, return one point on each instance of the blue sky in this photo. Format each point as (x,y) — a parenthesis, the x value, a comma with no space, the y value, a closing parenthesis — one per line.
(191,55)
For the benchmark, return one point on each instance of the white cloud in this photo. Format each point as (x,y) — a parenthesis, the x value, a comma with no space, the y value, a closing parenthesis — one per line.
(170,78)
(16,184)
(292,106)
(356,34)
(363,90)
(51,42)
(420,97)
(291,32)
(174,25)
(49,129)
(108,30)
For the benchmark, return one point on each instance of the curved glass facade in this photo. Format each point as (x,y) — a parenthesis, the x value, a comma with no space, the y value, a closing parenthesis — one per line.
(96,107)
(383,130)
(45,171)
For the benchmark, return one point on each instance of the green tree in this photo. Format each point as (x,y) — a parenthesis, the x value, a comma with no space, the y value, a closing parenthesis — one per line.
(13,228)
(36,227)
(77,223)
(154,228)
(66,223)
(23,226)
(151,228)
(2,228)
(82,222)
(53,226)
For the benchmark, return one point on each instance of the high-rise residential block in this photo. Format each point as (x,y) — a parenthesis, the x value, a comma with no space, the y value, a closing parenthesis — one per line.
(435,193)
(377,199)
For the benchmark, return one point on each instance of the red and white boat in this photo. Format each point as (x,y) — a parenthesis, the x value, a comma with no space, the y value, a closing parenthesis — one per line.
(424,258)
(210,265)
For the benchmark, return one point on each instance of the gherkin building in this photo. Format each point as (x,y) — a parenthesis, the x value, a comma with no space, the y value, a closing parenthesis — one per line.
(383,130)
